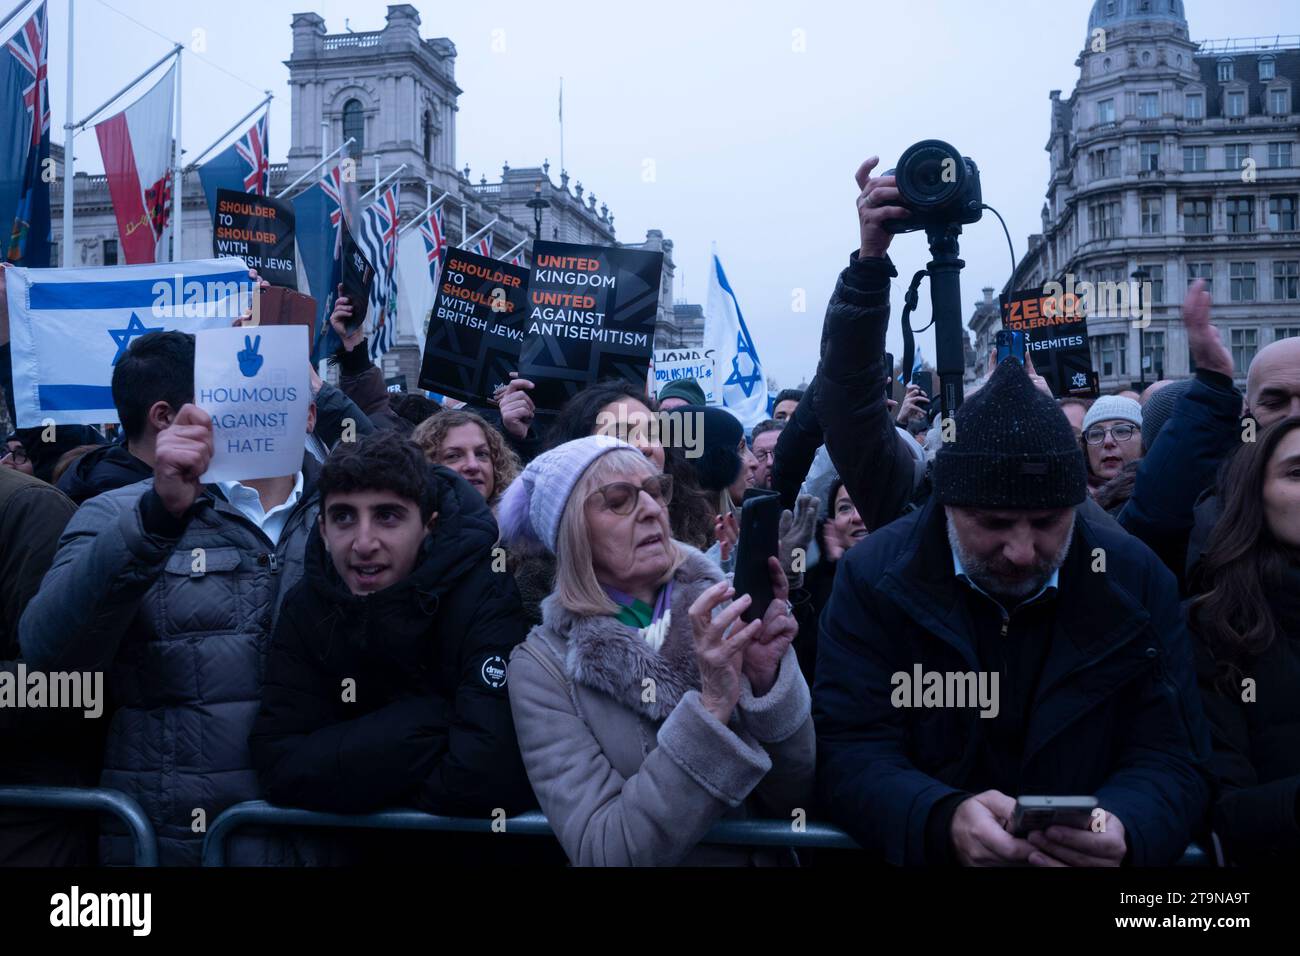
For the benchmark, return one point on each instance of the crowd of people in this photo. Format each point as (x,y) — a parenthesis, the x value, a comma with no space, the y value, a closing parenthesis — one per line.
(476,611)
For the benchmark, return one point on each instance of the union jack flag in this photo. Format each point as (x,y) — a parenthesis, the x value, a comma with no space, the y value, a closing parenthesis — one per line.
(254,150)
(379,241)
(28,47)
(517,259)
(435,242)
(485,246)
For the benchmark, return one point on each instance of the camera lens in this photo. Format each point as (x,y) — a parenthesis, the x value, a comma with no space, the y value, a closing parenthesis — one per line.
(930,174)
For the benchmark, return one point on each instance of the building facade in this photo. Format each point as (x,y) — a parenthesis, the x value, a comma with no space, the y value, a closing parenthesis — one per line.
(1175,160)
(395,94)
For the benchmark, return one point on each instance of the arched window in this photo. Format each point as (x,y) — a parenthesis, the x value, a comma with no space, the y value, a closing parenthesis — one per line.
(354,125)
(427,129)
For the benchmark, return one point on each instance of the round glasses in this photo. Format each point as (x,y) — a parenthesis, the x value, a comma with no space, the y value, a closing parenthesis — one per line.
(621,497)
(17,454)
(1097,433)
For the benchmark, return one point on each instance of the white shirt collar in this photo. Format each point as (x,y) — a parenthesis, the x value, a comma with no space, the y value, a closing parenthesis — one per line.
(960,571)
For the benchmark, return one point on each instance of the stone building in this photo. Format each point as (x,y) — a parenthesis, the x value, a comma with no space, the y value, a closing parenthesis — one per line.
(395,93)
(1176,160)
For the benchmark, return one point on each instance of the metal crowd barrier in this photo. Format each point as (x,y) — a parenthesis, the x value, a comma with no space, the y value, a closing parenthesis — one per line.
(91,798)
(772,833)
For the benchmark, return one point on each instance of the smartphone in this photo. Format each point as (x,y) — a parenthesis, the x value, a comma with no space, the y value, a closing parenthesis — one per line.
(1039,813)
(358,277)
(889,375)
(760,520)
(1010,343)
(921,379)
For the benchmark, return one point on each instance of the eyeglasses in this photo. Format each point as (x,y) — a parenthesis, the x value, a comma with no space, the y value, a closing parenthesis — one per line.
(621,497)
(1097,433)
(765,454)
(17,454)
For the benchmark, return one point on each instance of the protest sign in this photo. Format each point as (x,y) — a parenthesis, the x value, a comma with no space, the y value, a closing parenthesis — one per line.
(590,316)
(259,230)
(671,365)
(69,327)
(358,276)
(475,328)
(253,382)
(1056,338)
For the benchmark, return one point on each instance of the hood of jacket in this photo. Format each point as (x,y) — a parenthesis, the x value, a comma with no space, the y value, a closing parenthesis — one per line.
(609,656)
(463,537)
(102,469)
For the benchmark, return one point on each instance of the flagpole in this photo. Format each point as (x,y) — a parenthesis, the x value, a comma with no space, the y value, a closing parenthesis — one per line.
(238,123)
(112,99)
(505,256)
(561,125)
(65,258)
(419,217)
(178,202)
(465,242)
(381,182)
(324,159)
(22,5)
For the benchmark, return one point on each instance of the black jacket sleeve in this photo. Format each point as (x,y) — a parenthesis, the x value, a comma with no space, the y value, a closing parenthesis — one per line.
(481,769)
(308,748)
(860,434)
(1256,822)
(1202,432)
(796,447)
(363,382)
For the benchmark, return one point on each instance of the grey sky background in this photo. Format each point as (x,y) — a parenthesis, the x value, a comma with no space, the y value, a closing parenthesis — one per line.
(753,143)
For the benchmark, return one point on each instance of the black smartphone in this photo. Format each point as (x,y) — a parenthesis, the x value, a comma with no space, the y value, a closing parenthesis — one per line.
(921,379)
(889,375)
(358,276)
(1039,813)
(1010,343)
(760,520)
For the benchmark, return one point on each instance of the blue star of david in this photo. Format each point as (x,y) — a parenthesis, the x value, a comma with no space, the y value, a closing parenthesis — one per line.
(746,382)
(134,329)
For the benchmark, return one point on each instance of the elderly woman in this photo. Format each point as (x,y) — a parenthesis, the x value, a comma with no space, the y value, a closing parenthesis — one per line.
(646,708)
(469,446)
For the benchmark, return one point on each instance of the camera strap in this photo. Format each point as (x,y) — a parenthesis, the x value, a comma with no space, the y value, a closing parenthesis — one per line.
(909,303)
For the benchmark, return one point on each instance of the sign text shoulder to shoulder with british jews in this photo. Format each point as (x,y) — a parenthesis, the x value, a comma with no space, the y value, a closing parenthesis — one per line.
(254,383)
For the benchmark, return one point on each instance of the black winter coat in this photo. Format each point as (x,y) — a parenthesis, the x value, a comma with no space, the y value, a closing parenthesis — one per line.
(1256,760)
(101,470)
(429,724)
(1116,713)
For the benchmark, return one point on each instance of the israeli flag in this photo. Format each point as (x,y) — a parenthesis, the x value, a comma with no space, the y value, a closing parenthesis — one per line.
(738,374)
(68,327)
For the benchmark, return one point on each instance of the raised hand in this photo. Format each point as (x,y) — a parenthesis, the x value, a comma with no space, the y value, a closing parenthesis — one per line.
(877,202)
(720,643)
(517,409)
(181,456)
(1203,339)
(339,320)
(763,656)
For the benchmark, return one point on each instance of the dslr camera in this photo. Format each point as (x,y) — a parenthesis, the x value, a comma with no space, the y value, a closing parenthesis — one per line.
(938,185)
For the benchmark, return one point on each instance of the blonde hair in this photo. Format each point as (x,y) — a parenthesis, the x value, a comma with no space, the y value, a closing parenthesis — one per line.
(575,577)
(432,432)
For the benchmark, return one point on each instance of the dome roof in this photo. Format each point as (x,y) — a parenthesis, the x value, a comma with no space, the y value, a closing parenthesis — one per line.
(1108,14)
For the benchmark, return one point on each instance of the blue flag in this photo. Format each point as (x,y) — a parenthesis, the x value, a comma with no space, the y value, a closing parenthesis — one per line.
(25,112)
(243,166)
(318,212)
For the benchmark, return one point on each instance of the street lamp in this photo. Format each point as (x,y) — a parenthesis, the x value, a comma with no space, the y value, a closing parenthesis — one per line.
(537,204)
(1140,276)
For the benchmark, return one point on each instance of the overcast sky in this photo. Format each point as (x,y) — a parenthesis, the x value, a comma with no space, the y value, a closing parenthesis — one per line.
(752,141)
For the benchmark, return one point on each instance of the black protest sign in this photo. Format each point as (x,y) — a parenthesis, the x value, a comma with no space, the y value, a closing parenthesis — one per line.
(475,327)
(259,230)
(1056,339)
(590,316)
(357,275)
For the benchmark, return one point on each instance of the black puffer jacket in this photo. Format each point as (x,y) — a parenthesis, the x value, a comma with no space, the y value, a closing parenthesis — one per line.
(429,723)
(101,470)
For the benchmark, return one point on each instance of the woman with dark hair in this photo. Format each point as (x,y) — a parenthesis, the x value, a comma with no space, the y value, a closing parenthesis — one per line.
(623,410)
(1246,616)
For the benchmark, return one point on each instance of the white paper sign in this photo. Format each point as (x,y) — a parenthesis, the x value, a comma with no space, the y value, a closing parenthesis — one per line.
(673,364)
(253,382)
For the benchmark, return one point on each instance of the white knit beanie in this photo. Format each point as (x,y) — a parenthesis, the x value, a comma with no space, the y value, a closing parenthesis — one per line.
(532,506)
(1111,408)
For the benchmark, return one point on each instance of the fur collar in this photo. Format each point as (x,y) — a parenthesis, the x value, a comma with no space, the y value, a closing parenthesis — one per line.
(609,656)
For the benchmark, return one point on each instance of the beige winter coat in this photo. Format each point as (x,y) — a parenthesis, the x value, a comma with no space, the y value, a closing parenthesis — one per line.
(628,766)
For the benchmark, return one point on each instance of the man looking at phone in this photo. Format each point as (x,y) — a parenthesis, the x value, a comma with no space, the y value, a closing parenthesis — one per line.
(1002,575)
